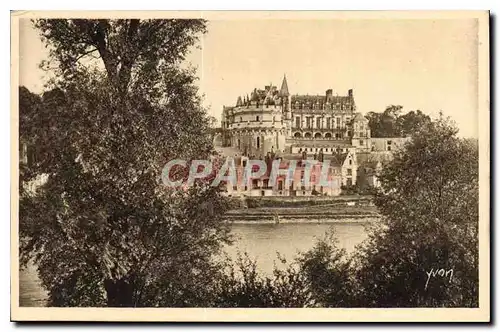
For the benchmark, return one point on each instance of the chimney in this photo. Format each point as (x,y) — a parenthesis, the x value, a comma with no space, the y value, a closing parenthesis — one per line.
(349,92)
(329,92)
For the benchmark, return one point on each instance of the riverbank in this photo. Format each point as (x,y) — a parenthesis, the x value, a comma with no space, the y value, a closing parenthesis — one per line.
(297,220)
(303,210)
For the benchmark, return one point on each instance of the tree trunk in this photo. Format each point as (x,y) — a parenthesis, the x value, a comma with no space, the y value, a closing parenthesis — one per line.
(120,293)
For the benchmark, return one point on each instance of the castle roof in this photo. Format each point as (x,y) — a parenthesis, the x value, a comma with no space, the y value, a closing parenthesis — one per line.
(320,99)
(284,87)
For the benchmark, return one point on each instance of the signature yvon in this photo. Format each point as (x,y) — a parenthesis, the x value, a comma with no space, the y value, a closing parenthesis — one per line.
(441,273)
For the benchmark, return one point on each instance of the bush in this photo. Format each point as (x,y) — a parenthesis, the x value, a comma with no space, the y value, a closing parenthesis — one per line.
(243,286)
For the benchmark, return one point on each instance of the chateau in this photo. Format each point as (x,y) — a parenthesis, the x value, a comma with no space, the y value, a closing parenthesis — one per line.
(273,123)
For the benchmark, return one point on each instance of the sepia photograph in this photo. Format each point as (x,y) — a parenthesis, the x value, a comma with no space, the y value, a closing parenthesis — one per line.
(250,166)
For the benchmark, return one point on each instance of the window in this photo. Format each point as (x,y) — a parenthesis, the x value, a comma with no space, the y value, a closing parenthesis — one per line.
(258,142)
(350,161)
(318,122)
(257,118)
(274,119)
(309,122)
(361,142)
(349,171)
(349,182)
(239,144)
(280,185)
(297,122)
(244,163)
(255,184)
(338,122)
(241,119)
(327,123)
(265,183)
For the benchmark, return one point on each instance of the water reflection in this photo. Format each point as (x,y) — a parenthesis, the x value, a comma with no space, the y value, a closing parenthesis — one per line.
(261,242)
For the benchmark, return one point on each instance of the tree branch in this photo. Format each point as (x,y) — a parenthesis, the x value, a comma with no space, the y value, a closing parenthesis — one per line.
(85,54)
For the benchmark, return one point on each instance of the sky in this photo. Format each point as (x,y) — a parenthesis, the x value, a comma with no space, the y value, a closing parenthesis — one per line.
(424,64)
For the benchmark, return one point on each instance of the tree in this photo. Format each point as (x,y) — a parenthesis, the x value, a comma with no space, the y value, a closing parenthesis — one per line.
(429,203)
(391,123)
(103,230)
(329,273)
(384,124)
(411,122)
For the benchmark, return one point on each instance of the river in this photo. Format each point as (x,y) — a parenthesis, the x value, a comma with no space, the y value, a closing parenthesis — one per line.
(260,241)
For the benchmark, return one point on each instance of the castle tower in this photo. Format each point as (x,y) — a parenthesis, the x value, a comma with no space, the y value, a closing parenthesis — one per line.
(286,105)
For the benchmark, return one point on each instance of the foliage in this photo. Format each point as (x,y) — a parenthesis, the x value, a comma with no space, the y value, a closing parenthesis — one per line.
(391,123)
(328,271)
(102,229)
(429,206)
(244,286)
(429,200)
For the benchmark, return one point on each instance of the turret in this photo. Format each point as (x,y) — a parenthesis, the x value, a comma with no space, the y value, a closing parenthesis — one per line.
(284,88)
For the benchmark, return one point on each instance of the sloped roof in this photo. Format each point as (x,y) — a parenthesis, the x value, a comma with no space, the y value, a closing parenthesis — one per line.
(284,87)
(321,99)
(360,117)
(308,98)
(339,99)
(336,159)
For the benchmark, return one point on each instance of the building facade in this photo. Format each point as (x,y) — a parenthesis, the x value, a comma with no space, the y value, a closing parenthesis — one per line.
(273,120)
(293,126)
